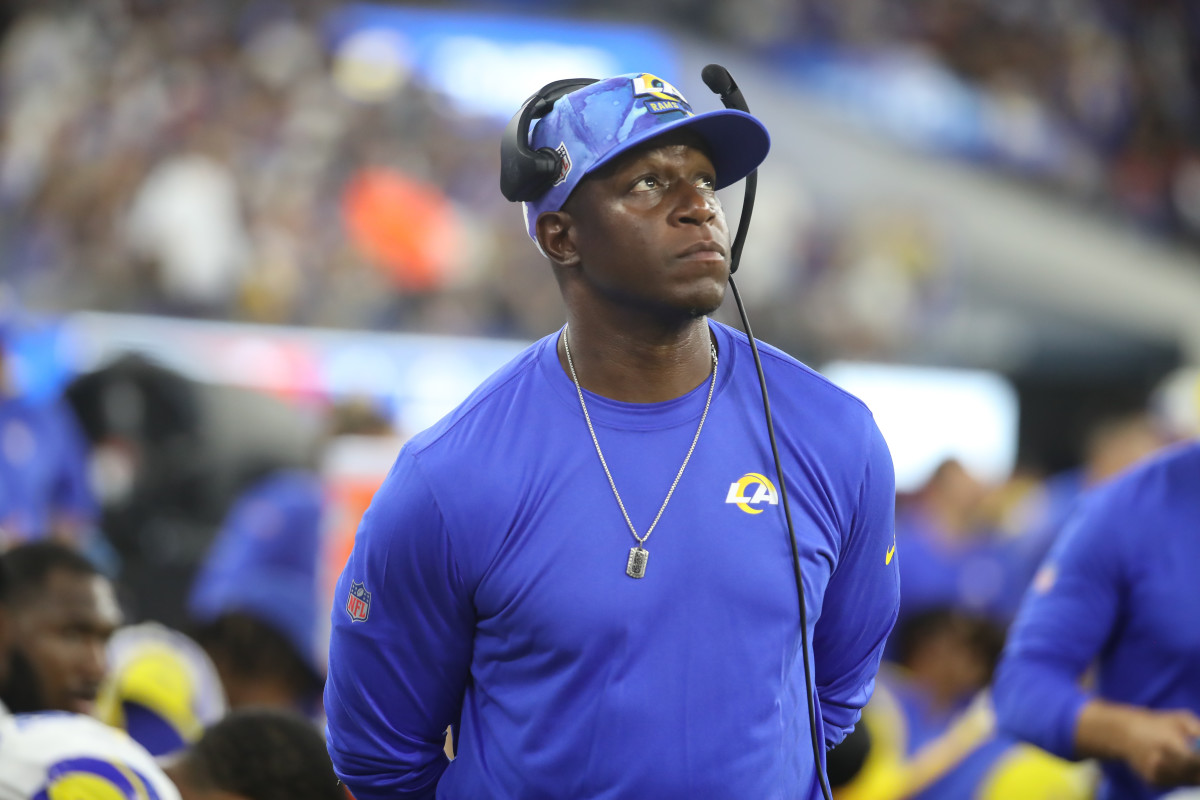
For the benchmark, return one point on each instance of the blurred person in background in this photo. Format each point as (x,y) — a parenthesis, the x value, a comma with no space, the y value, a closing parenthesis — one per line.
(970,760)
(162,688)
(61,613)
(1111,445)
(43,464)
(1119,588)
(257,635)
(493,585)
(73,755)
(932,733)
(257,754)
(154,476)
(954,557)
(254,602)
(945,657)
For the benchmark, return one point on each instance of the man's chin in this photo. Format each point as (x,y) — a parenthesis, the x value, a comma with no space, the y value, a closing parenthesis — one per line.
(82,705)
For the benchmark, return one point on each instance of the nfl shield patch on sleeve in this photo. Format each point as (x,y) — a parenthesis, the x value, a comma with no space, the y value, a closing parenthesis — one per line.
(358,604)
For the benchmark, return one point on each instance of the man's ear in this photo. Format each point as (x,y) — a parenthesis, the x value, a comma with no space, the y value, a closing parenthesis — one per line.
(556,235)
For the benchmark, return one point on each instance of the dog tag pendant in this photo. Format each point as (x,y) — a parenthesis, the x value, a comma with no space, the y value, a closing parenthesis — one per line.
(635,567)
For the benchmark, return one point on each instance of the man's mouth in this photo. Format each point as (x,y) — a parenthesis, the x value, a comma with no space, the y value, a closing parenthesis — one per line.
(707,250)
(83,702)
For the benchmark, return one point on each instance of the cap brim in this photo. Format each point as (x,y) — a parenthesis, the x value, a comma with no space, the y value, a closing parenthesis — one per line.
(738,143)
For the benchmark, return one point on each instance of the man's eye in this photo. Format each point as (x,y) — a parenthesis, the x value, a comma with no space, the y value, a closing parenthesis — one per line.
(707,182)
(647,182)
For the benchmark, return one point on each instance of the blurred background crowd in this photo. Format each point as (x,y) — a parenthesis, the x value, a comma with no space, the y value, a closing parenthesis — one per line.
(248,246)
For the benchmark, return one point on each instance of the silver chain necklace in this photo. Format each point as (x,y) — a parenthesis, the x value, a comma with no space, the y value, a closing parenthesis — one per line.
(635,565)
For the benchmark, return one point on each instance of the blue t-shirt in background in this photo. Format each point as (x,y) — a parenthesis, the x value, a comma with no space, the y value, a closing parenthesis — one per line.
(1122,587)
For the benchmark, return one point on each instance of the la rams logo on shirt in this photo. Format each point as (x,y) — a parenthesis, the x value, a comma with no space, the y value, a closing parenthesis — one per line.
(358,604)
(752,501)
(95,779)
(660,96)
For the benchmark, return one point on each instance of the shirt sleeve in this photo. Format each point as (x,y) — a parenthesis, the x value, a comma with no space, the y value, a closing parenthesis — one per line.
(1065,619)
(862,600)
(400,650)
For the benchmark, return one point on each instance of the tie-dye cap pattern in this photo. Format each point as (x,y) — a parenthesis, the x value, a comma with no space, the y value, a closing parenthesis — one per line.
(591,126)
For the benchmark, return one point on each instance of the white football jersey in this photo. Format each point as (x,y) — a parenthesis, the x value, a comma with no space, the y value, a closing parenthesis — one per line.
(63,756)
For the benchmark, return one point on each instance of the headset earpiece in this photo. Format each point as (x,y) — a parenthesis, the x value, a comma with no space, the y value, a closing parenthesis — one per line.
(525,173)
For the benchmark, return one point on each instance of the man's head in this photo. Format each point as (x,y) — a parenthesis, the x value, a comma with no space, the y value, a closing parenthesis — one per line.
(633,218)
(254,601)
(258,664)
(592,125)
(61,613)
(258,754)
(949,652)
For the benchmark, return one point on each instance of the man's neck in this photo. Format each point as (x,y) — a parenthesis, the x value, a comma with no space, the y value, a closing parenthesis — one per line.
(638,364)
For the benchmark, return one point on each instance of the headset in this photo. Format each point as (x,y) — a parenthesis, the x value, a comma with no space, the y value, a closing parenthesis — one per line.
(526,174)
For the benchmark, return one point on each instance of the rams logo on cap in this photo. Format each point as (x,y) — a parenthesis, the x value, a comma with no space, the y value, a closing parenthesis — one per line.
(660,96)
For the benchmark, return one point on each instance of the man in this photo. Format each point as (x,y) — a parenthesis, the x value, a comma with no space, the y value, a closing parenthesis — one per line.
(932,734)
(254,600)
(249,755)
(62,612)
(43,464)
(1119,588)
(494,582)
(258,754)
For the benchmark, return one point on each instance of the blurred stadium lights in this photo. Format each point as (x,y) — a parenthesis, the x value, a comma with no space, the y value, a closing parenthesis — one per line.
(372,65)
(483,63)
(929,415)
(418,377)
(911,96)
(926,414)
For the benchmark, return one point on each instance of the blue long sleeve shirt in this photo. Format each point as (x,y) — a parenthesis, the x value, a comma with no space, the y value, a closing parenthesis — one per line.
(1121,587)
(487,589)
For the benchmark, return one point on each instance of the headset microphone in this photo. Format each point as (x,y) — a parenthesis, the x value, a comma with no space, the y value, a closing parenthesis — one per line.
(718,79)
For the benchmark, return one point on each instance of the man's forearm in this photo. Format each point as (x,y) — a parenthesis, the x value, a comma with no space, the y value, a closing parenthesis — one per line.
(1103,729)
(1160,745)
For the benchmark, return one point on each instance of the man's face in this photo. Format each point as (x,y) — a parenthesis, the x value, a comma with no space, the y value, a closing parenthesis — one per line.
(650,231)
(62,632)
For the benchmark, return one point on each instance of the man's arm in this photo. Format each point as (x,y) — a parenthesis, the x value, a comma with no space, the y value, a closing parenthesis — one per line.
(1163,747)
(401,644)
(862,599)
(1067,615)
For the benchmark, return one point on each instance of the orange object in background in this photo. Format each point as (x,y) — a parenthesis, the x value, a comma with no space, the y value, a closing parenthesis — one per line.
(406,227)
(352,470)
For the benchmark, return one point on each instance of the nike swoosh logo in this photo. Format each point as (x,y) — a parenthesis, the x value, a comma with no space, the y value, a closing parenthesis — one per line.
(891,552)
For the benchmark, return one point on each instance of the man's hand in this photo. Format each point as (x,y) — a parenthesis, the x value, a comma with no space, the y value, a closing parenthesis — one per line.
(1160,746)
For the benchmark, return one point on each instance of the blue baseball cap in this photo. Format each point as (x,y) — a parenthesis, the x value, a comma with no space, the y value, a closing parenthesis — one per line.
(264,562)
(593,125)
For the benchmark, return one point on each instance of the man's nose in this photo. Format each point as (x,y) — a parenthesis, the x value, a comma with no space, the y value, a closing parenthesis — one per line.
(695,205)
